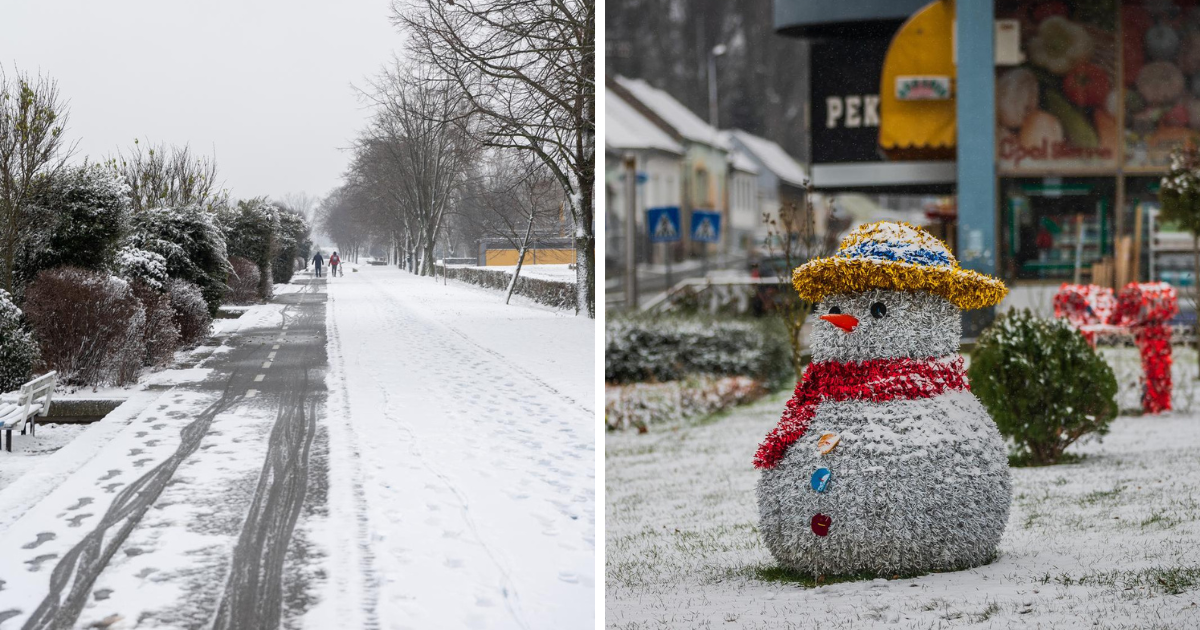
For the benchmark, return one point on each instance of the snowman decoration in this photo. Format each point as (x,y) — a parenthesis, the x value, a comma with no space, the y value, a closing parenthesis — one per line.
(883,461)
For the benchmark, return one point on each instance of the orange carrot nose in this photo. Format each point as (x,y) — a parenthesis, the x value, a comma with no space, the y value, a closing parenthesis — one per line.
(841,320)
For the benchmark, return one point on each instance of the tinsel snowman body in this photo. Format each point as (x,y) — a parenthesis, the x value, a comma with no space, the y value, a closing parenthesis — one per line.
(913,484)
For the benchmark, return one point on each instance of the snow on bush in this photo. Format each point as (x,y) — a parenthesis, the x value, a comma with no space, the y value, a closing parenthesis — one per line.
(671,349)
(191,312)
(252,232)
(243,281)
(293,243)
(556,294)
(90,326)
(18,351)
(139,265)
(191,241)
(81,214)
(160,334)
(640,405)
(1043,384)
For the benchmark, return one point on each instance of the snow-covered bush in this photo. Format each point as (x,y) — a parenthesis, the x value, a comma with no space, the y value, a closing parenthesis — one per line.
(1042,383)
(18,351)
(251,232)
(244,279)
(160,334)
(640,405)
(138,265)
(190,239)
(191,312)
(89,326)
(82,213)
(672,348)
(293,243)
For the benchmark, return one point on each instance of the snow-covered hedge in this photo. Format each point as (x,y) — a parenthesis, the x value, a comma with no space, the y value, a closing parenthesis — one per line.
(190,239)
(556,294)
(673,348)
(160,335)
(18,352)
(1042,383)
(191,312)
(90,326)
(139,265)
(642,404)
(243,281)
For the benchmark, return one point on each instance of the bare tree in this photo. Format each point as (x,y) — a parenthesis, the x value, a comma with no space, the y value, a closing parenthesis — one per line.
(420,138)
(173,176)
(528,68)
(32,120)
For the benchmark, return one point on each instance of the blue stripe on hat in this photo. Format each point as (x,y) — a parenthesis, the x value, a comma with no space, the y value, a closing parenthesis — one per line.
(898,252)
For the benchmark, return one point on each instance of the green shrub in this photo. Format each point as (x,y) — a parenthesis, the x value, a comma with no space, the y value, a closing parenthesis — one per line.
(190,239)
(669,349)
(18,351)
(1043,384)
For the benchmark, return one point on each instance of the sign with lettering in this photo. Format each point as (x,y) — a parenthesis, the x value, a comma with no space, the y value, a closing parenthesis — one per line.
(844,92)
(922,88)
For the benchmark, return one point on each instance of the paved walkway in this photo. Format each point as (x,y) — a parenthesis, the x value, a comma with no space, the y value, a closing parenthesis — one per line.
(188,513)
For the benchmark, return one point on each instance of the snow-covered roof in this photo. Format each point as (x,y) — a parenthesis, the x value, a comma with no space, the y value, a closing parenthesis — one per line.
(772,156)
(626,128)
(741,162)
(680,118)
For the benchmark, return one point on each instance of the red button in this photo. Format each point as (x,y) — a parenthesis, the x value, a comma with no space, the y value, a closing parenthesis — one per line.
(820,524)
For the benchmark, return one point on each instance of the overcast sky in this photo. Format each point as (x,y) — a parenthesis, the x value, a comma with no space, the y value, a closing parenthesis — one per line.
(265,84)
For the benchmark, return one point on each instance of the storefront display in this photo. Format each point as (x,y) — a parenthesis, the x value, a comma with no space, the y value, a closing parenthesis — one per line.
(1161,55)
(1054,225)
(1058,109)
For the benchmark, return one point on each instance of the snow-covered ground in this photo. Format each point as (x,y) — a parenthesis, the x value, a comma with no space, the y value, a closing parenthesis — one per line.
(462,459)
(1112,541)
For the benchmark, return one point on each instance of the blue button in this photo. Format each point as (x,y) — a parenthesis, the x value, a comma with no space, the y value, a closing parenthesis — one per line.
(820,479)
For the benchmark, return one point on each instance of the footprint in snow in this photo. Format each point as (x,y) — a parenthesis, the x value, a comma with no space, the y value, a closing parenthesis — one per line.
(41,538)
(102,594)
(112,473)
(135,451)
(142,462)
(83,501)
(112,486)
(36,564)
(77,520)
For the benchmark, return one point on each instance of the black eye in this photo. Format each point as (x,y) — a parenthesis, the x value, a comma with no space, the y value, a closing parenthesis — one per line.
(833,310)
(878,310)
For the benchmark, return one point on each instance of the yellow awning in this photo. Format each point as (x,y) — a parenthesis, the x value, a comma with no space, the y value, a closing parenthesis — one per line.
(916,93)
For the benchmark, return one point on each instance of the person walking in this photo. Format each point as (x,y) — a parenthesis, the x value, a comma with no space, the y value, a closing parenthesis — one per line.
(334,261)
(317,262)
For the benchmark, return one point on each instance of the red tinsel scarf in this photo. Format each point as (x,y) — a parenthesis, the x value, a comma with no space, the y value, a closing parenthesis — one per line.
(877,380)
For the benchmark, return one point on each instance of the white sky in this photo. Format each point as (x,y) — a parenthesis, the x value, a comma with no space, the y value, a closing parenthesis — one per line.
(265,84)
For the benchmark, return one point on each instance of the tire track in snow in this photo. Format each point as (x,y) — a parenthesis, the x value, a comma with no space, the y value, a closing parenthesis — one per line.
(253,594)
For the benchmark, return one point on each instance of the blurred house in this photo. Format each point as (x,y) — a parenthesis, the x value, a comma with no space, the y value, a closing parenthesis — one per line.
(658,167)
(780,180)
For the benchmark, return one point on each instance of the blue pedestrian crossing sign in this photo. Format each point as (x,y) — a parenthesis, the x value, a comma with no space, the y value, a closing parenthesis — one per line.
(706,226)
(664,224)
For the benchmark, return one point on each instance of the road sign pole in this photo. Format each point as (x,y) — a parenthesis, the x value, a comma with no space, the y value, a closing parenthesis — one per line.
(631,240)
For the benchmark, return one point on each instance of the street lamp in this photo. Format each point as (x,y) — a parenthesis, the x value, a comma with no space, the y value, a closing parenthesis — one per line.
(717,51)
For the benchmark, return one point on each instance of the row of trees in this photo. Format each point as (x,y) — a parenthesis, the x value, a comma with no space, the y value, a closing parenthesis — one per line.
(117,263)
(487,128)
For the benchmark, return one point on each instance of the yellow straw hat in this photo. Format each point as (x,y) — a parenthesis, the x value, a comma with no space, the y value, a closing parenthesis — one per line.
(900,257)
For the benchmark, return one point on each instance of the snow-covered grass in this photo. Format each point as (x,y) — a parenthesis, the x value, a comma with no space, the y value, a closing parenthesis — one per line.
(1110,541)
(559,273)
(28,450)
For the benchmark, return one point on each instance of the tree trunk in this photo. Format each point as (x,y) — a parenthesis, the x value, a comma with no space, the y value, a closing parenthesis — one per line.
(512,284)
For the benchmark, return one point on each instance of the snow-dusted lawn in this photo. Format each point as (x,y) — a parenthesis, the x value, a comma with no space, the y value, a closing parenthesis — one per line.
(556,273)
(1112,541)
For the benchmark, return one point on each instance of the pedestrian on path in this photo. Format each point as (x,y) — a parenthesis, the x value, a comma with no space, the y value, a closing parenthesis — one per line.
(317,261)
(334,261)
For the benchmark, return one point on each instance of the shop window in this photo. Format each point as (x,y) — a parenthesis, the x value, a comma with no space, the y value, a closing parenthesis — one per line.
(1058,109)
(1160,50)
(1052,226)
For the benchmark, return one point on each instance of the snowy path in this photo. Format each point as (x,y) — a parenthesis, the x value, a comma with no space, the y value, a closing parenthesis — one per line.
(461,487)
(175,520)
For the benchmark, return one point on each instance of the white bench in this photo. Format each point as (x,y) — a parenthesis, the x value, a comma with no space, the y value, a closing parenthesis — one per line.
(31,401)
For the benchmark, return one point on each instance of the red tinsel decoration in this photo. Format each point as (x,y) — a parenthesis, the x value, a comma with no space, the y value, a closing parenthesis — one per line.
(877,380)
(1146,308)
(1088,307)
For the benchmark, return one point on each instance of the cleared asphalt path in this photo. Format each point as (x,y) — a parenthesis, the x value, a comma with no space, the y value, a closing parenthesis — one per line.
(282,366)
